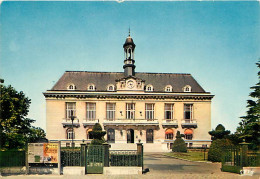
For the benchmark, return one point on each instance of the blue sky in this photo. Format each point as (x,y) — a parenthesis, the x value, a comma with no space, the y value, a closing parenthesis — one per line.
(217,42)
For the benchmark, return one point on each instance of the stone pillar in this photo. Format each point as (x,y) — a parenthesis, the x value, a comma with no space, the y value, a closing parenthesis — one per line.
(243,154)
(82,154)
(59,158)
(140,152)
(106,154)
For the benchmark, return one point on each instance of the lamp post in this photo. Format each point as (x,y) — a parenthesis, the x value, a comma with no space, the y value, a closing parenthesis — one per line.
(72,119)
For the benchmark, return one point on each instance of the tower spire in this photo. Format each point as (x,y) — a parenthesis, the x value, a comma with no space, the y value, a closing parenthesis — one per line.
(129,31)
(129,48)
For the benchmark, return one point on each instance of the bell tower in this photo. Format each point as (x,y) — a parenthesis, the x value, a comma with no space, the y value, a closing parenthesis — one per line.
(129,62)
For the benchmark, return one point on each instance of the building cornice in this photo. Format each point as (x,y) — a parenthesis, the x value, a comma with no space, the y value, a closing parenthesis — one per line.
(115,95)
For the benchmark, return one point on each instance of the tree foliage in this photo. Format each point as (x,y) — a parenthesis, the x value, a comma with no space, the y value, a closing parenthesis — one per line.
(217,148)
(15,128)
(179,144)
(219,133)
(98,135)
(249,127)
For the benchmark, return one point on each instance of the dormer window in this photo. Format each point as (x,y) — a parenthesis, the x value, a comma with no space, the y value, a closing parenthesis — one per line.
(71,87)
(91,87)
(110,87)
(149,88)
(168,88)
(187,88)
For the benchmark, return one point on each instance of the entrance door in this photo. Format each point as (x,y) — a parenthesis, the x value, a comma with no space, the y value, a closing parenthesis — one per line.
(130,136)
(111,135)
(94,159)
(149,136)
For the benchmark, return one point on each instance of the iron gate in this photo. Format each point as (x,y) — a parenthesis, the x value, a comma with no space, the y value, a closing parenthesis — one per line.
(94,159)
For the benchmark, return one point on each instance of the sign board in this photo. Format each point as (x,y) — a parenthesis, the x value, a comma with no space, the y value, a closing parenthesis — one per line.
(43,152)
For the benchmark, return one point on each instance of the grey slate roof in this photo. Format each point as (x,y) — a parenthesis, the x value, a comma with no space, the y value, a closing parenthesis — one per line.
(101,80)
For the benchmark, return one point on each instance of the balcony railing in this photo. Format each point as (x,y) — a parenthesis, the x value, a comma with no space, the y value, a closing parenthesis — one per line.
(170,123)
(192,123)
(131,122)
(66,122)
(90,122)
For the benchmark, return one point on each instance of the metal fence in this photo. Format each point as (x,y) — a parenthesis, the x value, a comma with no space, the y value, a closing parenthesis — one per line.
(70,158)
(237,157)
(125,158)
(12,158)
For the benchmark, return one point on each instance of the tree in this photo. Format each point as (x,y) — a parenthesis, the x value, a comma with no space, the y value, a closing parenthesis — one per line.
(219,133)
(15,128)
(179,144)
(98,135)
(249,127)
(217,149)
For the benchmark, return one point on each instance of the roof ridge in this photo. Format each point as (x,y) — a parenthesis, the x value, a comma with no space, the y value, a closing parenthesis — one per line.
(123,72)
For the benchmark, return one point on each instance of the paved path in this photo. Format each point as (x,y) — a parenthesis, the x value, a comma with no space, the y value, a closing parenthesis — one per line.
(161,167)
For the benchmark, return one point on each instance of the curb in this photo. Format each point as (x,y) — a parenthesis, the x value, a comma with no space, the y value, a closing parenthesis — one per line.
(189,160)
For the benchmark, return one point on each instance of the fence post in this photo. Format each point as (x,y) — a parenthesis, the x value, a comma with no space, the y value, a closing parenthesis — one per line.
(244,150)
(140,152)
(86,156)
(106,154)
(26,159)
(82,154)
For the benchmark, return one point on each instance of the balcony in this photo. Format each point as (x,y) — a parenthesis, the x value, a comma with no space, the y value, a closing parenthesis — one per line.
(136,122)
(90,122)
(66,122)
(172,123)
(188,123)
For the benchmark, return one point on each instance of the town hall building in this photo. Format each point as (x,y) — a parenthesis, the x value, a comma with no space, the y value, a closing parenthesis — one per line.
(131,107)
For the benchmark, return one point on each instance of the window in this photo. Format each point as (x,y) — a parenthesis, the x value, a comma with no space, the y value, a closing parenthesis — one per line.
(91,87)
(188,112)
(168,111)
(149,111)
(149,136)
(70,134)
(70,109)
(187,88)
(91,111)
(111,111)
(168,88)
(149,88)
(111,135)
(188,133)
(89,135)
(110,88)
(169,134)
(71,87)
(130,110)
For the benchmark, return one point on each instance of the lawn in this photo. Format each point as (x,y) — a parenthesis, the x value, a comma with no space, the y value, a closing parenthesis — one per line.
(193,155)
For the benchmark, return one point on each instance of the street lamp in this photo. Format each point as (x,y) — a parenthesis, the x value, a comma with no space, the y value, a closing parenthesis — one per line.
(72,119)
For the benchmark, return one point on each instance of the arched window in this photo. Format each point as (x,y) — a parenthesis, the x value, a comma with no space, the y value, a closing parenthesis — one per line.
(89,135)
(168,88)
(169,134)
(110,87)
(188,134)
(149,87)
(70,134)
(71,87)
(187,88)
(149,136)
(91,87)
(111,135)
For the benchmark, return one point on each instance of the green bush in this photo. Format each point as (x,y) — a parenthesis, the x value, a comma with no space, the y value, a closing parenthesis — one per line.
(179,144)
(98,135)
(217,149)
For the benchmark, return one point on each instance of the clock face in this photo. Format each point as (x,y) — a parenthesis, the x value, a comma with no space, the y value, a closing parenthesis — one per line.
(130,84)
